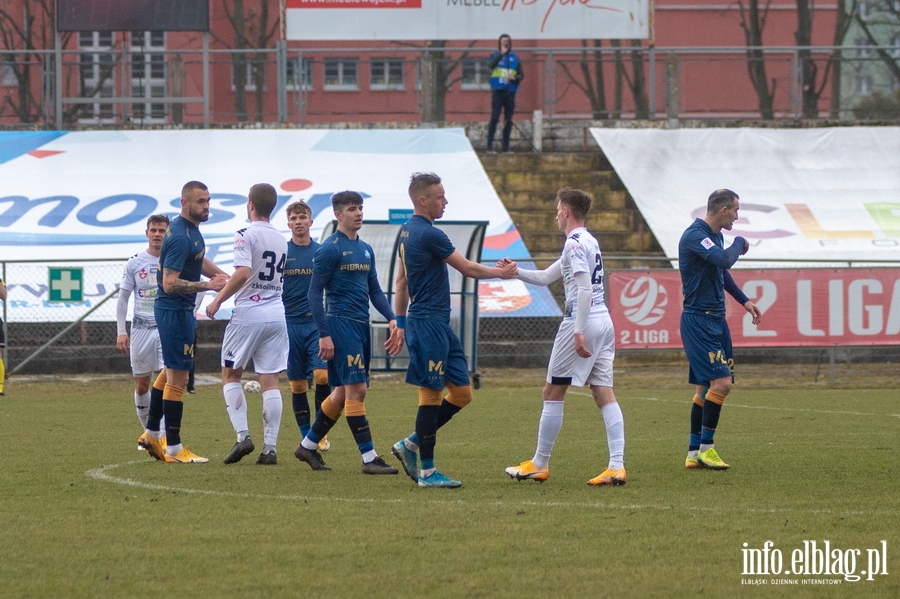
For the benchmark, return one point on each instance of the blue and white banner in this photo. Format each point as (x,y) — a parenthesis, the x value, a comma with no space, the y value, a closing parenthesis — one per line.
(87,195)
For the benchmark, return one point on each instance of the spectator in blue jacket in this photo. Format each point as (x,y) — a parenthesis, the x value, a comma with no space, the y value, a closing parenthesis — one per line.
(506,73)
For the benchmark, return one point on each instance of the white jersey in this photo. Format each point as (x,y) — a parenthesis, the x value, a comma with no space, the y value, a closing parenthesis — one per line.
(140,279)
(262,249)
(581,253)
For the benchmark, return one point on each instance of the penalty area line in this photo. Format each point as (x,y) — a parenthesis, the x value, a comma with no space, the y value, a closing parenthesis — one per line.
(103,474)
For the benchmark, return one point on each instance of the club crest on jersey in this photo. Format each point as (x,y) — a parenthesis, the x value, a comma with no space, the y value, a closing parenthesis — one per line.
(255,297)
(143,273)
(707,243)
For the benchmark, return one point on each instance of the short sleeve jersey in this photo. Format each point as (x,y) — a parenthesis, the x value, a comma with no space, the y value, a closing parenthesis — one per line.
(423,249)
(140,278)
(581,253)
(262,249)
(298,270)
(346,266)
(182,250)
(702,281)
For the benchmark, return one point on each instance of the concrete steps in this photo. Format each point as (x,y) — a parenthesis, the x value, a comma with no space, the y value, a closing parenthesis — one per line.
(527,185)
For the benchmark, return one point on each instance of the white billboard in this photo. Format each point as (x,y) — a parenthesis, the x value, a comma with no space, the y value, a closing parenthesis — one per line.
(87,195)
(466,19)
(829,194)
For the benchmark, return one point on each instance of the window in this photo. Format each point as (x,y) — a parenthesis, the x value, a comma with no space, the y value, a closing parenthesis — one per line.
(862,50)
(302,79)
(386,74)
(863,85)
(96,65)
(8,76)
(340,75)
(253,64)
(148,74)
(476,73)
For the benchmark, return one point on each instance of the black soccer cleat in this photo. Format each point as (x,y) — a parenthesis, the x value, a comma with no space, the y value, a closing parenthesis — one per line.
(311,457)
(240,449)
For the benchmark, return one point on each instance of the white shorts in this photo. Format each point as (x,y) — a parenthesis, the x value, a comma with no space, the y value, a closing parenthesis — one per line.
(567,367)
(146,352)
(265,342)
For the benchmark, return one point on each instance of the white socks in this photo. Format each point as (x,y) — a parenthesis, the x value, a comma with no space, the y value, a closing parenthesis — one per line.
(236,405)
(142,407)
(272,407)
(615,434)
(548,431)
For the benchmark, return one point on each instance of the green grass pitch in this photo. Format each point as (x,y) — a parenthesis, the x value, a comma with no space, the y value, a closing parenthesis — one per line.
(86,515)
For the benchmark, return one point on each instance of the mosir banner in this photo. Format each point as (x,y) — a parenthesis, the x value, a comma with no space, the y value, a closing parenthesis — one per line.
(800,307)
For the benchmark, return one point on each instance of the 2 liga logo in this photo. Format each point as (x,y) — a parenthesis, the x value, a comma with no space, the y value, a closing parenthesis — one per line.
(644,300)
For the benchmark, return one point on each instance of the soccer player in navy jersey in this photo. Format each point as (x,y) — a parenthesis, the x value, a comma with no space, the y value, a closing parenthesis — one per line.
(344,268)
(422,304)
(304,362)
(182,259)
(704,262)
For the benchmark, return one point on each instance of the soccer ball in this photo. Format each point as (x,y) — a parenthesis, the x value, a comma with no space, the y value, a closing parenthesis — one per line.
(251,387)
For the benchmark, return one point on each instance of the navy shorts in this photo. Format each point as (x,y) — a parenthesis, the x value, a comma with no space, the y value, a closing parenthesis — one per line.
(352,352)
(176,335)
(435,354)
(707,344)
(303,355)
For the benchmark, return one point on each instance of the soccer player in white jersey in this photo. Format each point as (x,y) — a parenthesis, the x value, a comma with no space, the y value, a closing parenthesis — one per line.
(139,278)
(257,328)
(584,348)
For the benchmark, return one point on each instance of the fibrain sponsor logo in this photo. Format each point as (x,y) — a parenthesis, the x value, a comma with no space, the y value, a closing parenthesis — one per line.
(644,300)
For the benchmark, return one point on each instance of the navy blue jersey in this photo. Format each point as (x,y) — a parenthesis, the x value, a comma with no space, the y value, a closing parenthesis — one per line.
(703,262)
(345,269)
(182,250)
(298,269)
(423,249)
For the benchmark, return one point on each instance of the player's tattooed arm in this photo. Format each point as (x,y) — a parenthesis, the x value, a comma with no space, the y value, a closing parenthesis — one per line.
(173,284)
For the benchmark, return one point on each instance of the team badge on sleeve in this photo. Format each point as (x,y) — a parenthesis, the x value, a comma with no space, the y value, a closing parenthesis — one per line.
(707,243)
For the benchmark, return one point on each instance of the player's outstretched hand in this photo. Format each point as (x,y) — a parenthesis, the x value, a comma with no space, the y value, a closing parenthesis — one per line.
(217,282)
(509,269)
(754,310)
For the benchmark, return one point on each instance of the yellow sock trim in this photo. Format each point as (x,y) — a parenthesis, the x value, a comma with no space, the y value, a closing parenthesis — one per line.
(459,396)
(698,400)
(320,376)
(172,393)
(715,397)
(354,408)
(160,383)
(329,409)
(299,386)
(429,397)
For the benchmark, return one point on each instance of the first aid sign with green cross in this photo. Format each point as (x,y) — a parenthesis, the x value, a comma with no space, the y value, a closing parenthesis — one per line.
(66,284)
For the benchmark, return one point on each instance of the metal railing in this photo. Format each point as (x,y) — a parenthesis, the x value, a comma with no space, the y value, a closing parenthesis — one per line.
(196,86)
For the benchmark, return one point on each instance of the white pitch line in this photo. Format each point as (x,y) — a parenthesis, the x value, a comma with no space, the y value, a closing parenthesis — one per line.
(102,474)
(737,405)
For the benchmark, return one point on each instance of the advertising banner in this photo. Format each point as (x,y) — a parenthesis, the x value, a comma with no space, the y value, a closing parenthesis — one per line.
(800,307)
(87,195)
(466,19)
(827,194)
